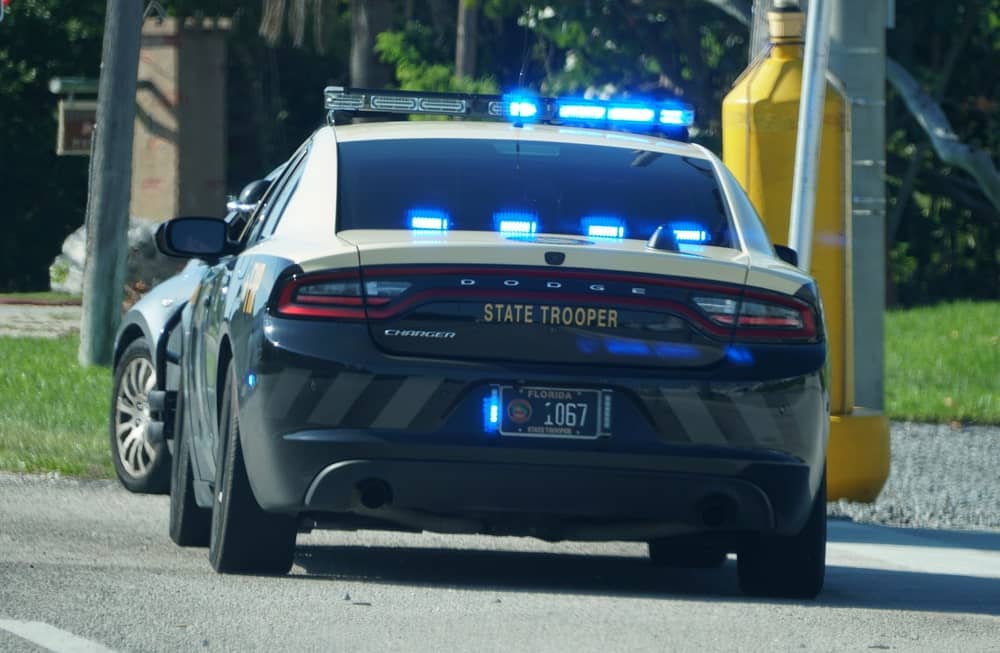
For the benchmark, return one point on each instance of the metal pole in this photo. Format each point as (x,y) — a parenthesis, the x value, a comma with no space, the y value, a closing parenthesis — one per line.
(817,53)
(857,57)
(111,182)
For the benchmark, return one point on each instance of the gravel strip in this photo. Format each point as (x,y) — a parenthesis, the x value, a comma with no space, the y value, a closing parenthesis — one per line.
(941,477)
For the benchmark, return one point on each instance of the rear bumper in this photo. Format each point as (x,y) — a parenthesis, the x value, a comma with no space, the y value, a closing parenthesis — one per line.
(560,502)
(327,412)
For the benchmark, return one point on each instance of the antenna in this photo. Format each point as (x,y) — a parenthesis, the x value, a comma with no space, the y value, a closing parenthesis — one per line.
(524,55)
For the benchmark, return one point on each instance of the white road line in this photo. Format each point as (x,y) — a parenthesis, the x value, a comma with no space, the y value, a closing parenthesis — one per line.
(51,638)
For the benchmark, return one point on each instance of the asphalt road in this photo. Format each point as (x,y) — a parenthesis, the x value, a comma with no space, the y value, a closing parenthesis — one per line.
(87,566)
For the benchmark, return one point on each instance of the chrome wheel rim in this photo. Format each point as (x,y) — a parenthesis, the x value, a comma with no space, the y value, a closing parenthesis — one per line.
(132,417)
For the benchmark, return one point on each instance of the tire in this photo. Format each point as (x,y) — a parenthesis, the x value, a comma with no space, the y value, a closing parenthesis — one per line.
(190,524)
(244,538)
(690,551)
(141,466)
(791,566)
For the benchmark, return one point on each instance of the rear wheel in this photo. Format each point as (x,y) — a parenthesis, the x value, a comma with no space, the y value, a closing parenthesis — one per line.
(141,465)
(244,538)
(190,525)
(697,552)
(791,566)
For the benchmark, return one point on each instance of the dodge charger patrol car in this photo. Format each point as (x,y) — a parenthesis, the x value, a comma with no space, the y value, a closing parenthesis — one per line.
(538,322)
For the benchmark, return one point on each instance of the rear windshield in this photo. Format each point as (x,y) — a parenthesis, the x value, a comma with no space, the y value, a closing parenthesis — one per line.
(529,186)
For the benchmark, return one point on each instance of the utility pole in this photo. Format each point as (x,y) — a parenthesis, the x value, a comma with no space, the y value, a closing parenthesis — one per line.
(857,58)
(110,182)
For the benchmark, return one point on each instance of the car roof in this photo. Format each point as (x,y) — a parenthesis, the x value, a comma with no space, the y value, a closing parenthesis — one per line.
(455,129)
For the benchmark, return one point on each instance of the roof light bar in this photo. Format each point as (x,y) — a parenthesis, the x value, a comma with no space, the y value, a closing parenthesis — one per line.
(633,114)
(586,112)
(520,106)
(677,117)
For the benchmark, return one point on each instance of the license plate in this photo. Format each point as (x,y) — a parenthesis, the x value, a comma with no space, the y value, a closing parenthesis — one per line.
(555,412)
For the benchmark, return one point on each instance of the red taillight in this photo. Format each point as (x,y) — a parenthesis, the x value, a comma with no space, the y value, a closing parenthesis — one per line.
(759,317)
(335,295)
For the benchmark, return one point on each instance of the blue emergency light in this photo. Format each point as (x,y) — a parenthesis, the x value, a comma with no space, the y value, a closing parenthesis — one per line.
(671,117)
(427,220)
(601,226)
(515,223)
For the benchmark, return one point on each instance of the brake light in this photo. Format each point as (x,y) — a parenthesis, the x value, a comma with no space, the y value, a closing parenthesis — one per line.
(759,318)
(335,295)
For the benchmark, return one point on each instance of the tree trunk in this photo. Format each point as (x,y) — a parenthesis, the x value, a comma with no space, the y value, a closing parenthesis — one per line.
(369,18)
(110,183)
(466,39)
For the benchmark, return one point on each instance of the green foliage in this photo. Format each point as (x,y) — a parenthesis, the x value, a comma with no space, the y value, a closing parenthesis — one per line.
(421,63)
(942,363)
(55,413)
(947,242)
(44,196)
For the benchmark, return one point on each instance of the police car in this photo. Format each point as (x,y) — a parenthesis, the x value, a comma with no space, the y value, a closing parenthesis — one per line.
(534,319)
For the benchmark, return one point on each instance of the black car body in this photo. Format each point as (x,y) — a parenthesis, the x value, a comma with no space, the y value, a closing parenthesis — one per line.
(353,362)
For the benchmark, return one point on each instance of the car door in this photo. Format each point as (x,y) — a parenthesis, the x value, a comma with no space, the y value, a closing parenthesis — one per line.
(209,316)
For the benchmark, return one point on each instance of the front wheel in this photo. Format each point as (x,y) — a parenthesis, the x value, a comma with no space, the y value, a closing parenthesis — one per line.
(141,465)
(791,566)
(244,538)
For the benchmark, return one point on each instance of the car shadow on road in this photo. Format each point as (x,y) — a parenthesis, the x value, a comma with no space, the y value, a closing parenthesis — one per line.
(634,577)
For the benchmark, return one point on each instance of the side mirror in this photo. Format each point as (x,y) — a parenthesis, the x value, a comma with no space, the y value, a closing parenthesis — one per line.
(787,254)
(203,238)
(249,197)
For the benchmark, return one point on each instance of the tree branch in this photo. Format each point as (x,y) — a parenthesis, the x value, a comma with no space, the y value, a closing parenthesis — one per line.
(913,168)
(738,9)
(949,149)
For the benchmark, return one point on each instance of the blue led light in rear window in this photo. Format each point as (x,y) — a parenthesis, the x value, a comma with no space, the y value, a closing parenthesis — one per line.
(690,232)
(633,114)
(515,222)
(605,231)
(599,226)
(427,219)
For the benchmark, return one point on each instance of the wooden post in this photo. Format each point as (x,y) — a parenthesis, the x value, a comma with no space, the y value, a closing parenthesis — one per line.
(110,182)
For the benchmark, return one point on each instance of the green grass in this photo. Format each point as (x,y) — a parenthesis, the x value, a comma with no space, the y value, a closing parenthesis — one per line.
(53,413)
(943,363)
(43,297)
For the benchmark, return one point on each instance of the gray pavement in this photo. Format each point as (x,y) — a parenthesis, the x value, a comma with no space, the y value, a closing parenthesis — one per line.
(86,563)
(22,320)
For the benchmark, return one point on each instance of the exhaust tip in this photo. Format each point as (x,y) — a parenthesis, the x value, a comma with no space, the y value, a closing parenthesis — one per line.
(374,493)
